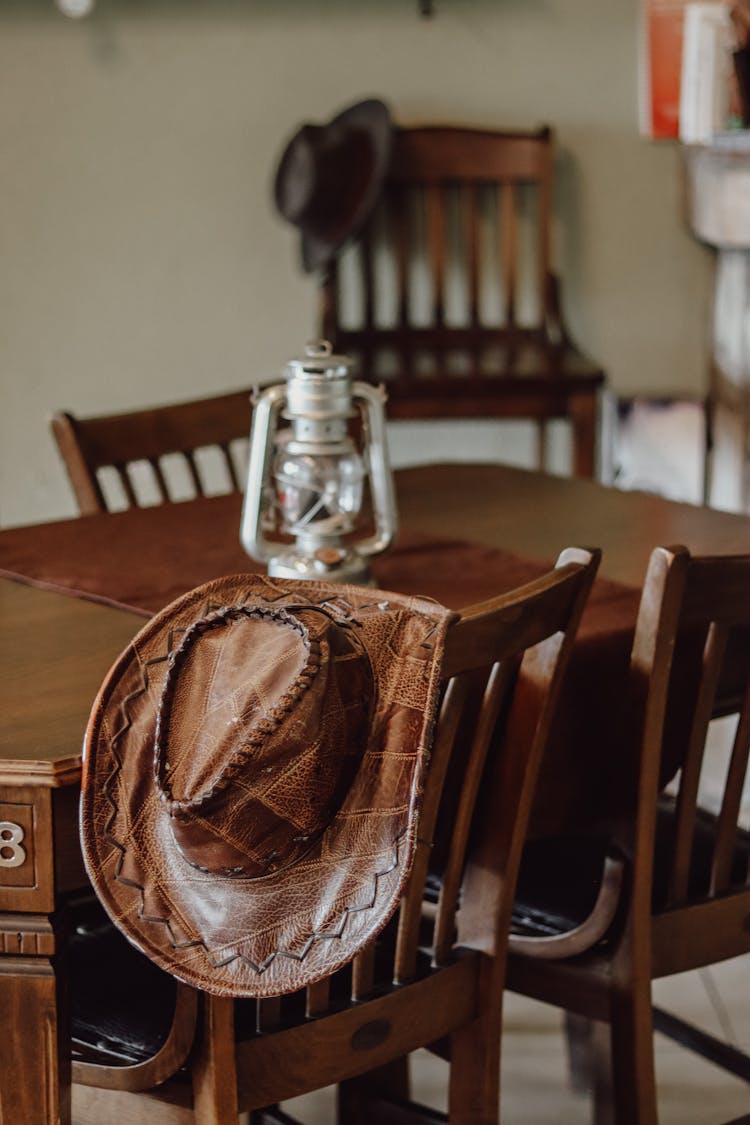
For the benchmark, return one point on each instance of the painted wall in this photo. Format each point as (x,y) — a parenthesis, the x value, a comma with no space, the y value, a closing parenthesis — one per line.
(141,258)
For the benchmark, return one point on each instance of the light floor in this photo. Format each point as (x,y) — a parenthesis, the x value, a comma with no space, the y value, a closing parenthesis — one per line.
(535,1089)
(656,449)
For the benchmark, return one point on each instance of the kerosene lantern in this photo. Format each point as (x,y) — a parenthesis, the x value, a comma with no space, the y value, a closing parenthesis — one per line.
(306,478)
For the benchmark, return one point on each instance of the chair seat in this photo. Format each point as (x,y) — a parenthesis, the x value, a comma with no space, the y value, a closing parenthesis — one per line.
(558,885)
(518,367)
(560,878)
(123,1005)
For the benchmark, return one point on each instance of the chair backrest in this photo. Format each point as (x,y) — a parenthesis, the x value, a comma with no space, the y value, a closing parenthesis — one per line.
(502,672)
(459,247)
(691,664)
(151,453)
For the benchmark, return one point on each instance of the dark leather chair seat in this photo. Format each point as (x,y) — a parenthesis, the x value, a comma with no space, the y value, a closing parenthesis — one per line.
(123,1005)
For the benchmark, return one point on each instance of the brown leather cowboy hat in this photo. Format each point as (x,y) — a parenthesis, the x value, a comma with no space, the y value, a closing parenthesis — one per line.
(253,768)
(329,178)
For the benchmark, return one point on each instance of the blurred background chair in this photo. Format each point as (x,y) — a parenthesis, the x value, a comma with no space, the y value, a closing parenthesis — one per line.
(433,977)
(152,452)
(685,896)
(450,298)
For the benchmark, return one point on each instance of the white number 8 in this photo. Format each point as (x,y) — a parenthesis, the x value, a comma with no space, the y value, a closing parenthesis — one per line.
(11,836)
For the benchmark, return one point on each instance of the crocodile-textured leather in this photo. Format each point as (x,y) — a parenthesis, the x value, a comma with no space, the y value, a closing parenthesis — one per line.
(253,768)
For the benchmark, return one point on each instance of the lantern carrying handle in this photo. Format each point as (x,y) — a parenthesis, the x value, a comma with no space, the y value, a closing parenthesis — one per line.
(266,409)
(381,479)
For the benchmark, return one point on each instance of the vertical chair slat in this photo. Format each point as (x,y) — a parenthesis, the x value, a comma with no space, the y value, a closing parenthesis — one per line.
(329,301)
(193,470)
(317,998)
(160,479)
(726,831)
(363,972)
(127,484)
(508,234)
(410,915)
(436,251)
(471,201)
(398,219)
(544,203)
(687,800)
(368,277)
(230,467)
(500,680)
(268,1013)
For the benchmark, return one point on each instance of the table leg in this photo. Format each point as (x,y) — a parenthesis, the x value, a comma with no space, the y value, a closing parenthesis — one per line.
(35,1057)
(583,416)
(34,1008)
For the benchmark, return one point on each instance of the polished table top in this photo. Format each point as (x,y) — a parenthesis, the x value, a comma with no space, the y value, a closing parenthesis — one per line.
(54,652)
(530,514)
(536,515)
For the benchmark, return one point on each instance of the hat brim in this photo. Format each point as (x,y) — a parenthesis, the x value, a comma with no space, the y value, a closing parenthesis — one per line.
(274,934)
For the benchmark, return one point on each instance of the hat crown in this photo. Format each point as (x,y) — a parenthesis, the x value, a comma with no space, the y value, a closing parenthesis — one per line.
(295,192)
(260,726)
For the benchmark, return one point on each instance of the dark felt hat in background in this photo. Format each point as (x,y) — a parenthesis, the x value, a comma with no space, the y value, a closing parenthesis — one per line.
(329,178)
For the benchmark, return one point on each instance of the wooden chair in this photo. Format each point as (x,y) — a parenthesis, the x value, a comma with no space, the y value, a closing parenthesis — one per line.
(435,975)
(119,441)
(684,899)
(465,225)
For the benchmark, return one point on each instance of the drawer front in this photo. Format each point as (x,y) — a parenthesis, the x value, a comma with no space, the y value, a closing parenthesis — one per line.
(17,845)
(26,850)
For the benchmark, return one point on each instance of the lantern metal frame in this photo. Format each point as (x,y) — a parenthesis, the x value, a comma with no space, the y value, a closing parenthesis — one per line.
(318,399)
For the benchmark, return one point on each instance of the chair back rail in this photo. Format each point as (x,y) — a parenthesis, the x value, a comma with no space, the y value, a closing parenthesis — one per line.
(704,604)
(484,718)
(151,437)
(714,607)
(457,198)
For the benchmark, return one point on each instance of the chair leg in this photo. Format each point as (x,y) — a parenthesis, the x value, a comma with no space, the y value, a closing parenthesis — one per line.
(583,416)
(214,1071)
(632,1056)
(579,1031)
(745,469)
(353,1095)
(474,1089)
(708,447)
(600,1074)
(474,1092)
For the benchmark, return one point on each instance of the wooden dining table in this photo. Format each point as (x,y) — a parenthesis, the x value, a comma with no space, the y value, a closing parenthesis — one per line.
(73,593)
